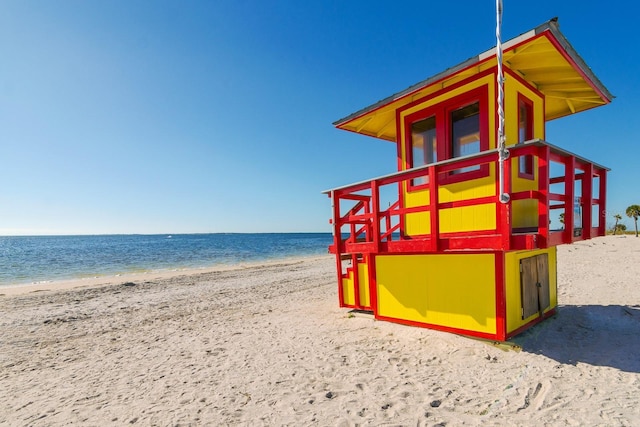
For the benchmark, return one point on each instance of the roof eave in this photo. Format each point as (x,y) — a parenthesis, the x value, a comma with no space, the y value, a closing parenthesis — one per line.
(551,26)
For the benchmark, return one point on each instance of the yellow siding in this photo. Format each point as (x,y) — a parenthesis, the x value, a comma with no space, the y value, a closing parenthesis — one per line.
(450,290)
(512,286)
(363,291)
(363,275)
(348,293)
(525,212)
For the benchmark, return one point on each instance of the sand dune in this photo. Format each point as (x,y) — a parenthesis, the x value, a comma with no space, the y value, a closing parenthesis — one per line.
(267,345)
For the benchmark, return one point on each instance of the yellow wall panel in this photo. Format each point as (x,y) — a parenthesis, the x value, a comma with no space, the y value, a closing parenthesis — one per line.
(525,212)
(348,293)
(512,285)
(348,289)
(468,218)
(451,290)
(363,276)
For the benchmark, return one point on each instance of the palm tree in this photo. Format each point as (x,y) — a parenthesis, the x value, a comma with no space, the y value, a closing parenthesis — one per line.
(633,211)
(617,217)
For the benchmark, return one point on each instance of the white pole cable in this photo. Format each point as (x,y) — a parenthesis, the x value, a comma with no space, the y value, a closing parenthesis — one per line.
(503,153)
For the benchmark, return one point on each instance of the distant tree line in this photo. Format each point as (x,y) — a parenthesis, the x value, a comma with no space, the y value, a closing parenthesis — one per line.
(632,211)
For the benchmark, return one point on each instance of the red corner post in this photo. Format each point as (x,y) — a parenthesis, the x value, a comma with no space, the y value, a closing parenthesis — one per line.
(602,202)
(587,200)
(433,209)
(543,195)
(503,210)
(569,196)
(337,243)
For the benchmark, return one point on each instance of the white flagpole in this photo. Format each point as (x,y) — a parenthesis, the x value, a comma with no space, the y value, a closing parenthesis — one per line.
(503,153)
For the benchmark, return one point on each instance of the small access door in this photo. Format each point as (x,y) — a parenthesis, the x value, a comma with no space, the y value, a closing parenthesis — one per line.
(534,285)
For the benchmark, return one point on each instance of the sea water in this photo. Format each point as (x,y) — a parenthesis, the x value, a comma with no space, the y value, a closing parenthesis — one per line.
(35,259)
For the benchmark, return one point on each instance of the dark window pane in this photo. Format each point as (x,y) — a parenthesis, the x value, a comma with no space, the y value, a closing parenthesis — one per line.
(424,145)
(525,133)
(465,133)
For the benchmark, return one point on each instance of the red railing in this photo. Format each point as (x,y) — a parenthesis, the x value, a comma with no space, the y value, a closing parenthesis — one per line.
(361,226)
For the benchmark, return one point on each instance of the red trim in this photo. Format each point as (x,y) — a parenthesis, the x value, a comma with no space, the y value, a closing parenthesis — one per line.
(437,93)
(401,166)
(576,67)
(373,284)
(467,202)
(587,201)
(602,205)
(503,210)
(543,189)
(522,81)
(401,163)
(546,34)
(434,216)
(458,331)
(371,230)
(569,195)
(445,90)
(356,279)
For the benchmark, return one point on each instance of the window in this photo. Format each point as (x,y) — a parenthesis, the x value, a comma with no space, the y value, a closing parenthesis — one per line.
(454,128)
(525,133)
(424,145)
(465,133)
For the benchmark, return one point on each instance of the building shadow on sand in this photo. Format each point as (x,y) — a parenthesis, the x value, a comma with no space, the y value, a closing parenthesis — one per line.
(594,334)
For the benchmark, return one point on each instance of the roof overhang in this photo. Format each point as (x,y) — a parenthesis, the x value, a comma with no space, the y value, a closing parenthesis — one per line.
(543,57)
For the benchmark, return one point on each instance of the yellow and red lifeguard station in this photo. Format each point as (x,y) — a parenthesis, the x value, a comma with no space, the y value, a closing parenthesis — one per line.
(461,238)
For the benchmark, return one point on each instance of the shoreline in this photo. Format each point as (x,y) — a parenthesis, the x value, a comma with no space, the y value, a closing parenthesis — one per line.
(15,289)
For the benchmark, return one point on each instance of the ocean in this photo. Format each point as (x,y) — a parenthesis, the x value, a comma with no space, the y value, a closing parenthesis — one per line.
(37,259)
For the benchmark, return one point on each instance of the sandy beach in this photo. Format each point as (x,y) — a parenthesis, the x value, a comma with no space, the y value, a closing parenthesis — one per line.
(268,345)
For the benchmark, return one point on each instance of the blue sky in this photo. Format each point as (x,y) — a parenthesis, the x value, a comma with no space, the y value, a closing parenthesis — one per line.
(215,116)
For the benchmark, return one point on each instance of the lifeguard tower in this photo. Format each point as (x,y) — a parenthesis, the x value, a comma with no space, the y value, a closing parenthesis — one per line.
(461,239)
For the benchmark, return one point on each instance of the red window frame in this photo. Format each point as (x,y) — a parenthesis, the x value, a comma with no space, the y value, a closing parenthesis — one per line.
(442,111)
(525,163)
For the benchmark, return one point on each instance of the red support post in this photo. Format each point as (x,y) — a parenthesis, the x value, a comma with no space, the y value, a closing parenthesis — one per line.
(602,208)
(569,195)
(503,210)
(543,199)
(433,209)
(356,280)
(373,291)
(587,201)
(337,243)
(375,207)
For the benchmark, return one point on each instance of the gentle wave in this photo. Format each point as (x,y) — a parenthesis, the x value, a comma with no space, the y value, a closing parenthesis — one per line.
(33,259)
